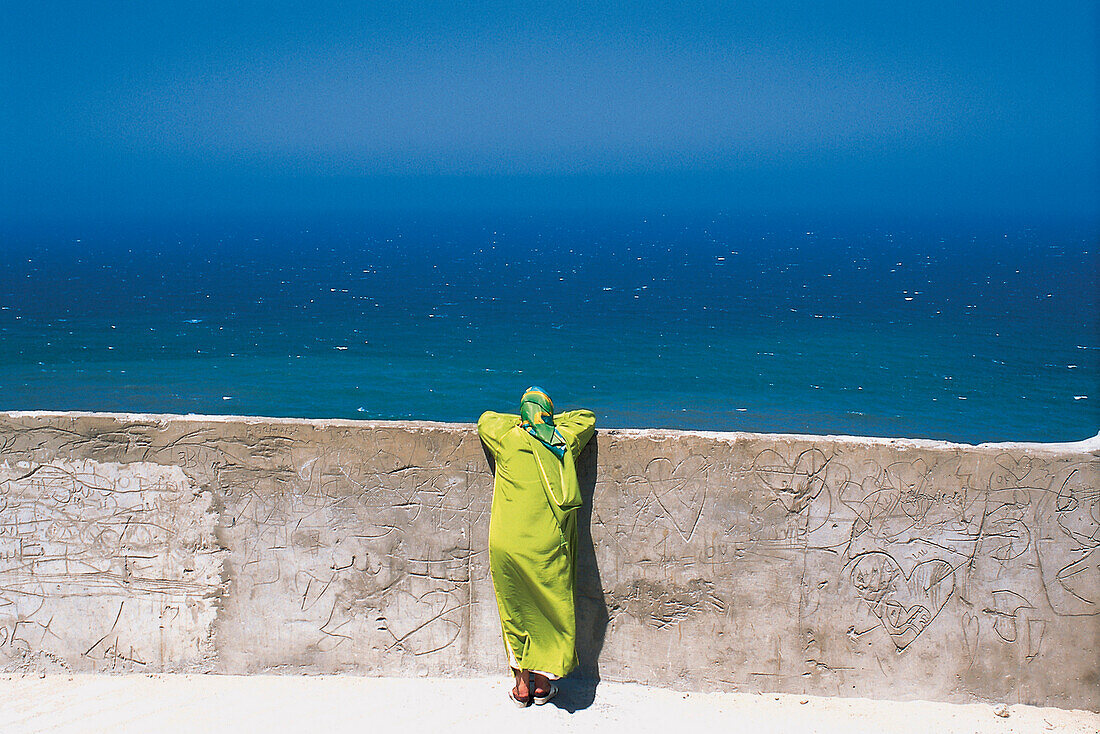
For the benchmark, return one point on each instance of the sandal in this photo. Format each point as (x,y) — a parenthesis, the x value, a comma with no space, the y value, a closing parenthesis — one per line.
(521,702)
(541,700)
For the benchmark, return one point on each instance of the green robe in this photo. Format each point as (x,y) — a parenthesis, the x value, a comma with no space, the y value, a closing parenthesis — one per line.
(533,539)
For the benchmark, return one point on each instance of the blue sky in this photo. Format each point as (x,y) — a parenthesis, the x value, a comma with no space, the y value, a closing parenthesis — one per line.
(143,109)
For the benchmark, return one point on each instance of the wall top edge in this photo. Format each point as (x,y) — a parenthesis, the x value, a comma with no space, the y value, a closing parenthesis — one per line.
(1088,445)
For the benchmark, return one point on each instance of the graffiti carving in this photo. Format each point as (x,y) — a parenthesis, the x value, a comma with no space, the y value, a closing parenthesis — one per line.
(137,541)
(904,605)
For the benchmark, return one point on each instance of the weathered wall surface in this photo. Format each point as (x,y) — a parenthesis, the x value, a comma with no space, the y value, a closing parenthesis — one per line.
(83,542)
(853,567)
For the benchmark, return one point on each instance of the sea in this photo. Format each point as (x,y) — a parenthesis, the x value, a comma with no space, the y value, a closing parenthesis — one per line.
(701,321)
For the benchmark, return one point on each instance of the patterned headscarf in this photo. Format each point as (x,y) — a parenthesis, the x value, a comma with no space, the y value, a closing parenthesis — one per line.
(536,412)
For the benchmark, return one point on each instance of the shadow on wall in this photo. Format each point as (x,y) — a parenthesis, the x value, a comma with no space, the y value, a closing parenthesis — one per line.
(579,689)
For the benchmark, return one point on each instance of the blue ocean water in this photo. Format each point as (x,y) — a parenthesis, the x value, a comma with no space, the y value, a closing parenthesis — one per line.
(692,321)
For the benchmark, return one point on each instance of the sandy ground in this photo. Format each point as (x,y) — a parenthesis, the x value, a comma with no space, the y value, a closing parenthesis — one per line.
(324,704)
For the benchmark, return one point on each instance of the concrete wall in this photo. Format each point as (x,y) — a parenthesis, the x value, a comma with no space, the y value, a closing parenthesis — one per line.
(835,566)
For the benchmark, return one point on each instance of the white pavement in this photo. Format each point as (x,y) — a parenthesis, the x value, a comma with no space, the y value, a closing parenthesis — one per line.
(330,704)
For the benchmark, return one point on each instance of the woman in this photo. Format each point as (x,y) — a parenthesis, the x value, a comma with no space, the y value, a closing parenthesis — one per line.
(533,537)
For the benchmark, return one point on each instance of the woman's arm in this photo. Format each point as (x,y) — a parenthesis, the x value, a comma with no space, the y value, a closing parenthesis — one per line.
(577,426)
(491,427)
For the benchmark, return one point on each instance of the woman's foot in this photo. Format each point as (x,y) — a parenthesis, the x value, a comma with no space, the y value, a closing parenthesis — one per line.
(521,701)
(521,693)
(542,690)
